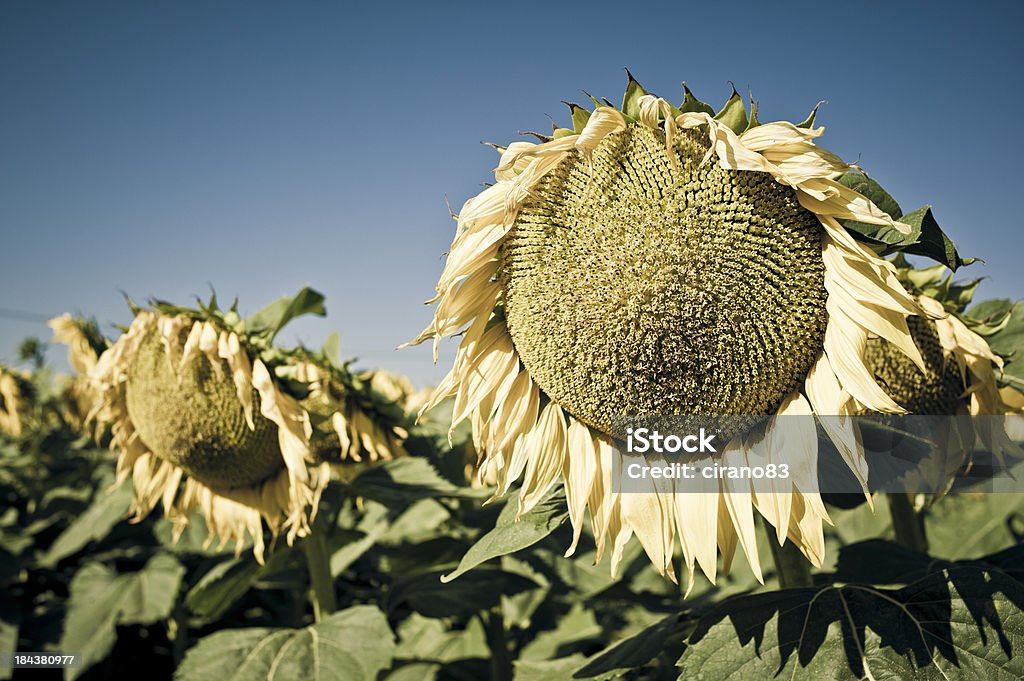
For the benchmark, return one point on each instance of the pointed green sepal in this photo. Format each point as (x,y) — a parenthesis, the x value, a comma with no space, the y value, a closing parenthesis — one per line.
(734,113)
(595,100)
(580,116)
(561,132)
(631,100)
(753,122)
(809,121)
(692,104)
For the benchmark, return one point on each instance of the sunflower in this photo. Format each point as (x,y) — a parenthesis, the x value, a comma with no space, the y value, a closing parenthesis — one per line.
(207,414)
(14,388)
(85,345)
(659,260)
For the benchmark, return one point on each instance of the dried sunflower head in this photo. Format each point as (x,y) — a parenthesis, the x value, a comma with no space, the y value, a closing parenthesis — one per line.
(15,391)
(660,260)
(208,414)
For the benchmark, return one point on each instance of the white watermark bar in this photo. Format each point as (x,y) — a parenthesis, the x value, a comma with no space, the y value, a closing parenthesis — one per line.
(823,454)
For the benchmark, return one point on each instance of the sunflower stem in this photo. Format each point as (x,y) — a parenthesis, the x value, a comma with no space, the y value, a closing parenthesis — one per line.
(907,523)
(494,630)
(318,561)
(793,568)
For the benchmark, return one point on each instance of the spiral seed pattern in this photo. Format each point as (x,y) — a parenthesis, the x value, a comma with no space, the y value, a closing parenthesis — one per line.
(935,392)
(643,287)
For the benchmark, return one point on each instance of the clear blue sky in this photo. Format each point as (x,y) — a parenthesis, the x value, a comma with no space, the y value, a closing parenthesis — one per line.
(161,147)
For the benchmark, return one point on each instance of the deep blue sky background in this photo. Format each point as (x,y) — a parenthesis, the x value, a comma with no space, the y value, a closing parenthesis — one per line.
(159,147)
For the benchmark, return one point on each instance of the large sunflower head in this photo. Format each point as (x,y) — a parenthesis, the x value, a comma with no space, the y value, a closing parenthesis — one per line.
(669,260)
(208,414)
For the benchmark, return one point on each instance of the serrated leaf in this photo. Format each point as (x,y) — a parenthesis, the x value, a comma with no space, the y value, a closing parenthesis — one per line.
(354,644)
(734,113)
(101,599)
(106,511)
(270,320)
(509,536)
(965,622)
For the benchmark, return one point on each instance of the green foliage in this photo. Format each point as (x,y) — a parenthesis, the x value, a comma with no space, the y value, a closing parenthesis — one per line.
(962,621)
(432,583)
(101,599)
(352,644)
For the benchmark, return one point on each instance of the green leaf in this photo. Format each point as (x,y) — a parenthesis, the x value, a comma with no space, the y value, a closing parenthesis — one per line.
(354,644)
(969,525)
(665,636)
(692,104)
(101,599)
(580,116)
(402,481)
(270,320)
(811,117)
(106,511)
(224,584)
(734,113)
(964,623)
(631,99)
(859,182)
(480,590)
(575,626)
(221,587)
(990,312)
(10,622)
(931,241)
(509,536)
(426,638)
(548,670)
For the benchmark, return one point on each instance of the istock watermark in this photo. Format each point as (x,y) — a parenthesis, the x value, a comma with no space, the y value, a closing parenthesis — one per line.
(916,454)
(644,440)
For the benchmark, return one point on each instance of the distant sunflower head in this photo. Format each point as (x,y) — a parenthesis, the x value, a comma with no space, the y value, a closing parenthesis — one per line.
(85,345)
(15,392)
(661,260)
(963,373)
(207,414)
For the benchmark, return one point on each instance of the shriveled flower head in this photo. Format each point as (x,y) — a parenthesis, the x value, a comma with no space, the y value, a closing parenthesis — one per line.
(963,373)
(208,415)
(659,260)
(85,345)
(14,386)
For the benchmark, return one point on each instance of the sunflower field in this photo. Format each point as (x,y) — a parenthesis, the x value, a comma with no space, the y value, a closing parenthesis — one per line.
(196,499)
